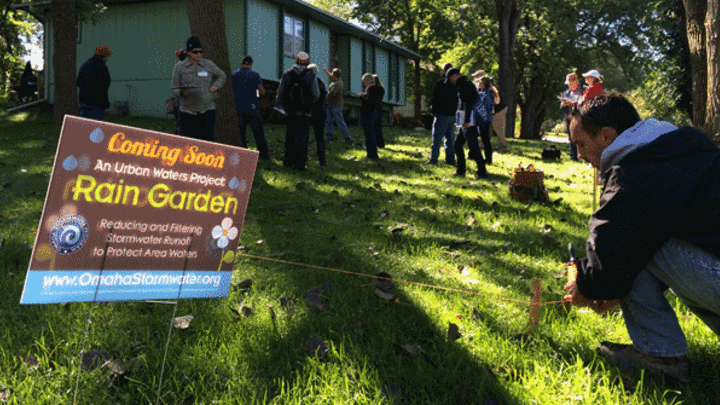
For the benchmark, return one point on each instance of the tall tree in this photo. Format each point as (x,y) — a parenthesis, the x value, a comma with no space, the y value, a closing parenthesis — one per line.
(207,22)
(418,25)
(712,38)
(508,14)
(695,24)
(14,27)
(65,33)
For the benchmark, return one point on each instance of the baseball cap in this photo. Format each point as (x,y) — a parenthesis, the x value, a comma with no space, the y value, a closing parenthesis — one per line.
(103,51)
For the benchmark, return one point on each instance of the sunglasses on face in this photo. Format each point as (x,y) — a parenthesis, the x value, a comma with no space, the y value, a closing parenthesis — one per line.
(197,51)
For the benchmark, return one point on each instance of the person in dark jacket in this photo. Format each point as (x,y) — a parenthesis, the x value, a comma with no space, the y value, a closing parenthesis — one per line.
(297,79)
(247,90)
(28,84)
(317,121)
(472,102)
(93,80)
(369,101)
(657,227)
(444,106)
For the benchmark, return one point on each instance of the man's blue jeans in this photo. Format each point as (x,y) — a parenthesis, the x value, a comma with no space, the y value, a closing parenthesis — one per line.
(693,275)
(443,127)
(253,118)
(93,113)
(369,121)
(335,115)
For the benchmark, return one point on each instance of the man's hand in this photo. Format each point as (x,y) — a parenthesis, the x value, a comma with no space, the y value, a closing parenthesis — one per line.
(213,89)
(184,92)
(579,300)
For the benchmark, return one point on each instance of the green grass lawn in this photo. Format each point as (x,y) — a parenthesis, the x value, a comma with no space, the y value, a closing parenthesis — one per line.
(459,250)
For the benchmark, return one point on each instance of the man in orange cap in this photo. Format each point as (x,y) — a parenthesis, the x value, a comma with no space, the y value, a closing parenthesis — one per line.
(93,80)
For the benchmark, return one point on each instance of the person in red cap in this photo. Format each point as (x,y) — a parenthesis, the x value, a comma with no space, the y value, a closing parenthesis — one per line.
(93,80)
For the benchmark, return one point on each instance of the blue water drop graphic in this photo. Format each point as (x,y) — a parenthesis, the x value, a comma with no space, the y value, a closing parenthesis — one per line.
(234,183)
(96,136)
(84,162)
(70,163)
(234,159)
(243,186)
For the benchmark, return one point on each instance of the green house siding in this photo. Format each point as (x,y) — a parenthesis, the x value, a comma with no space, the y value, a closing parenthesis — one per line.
(319,46)
(354,81)
(235,27)
(382,60)
(144,36)
(263,38)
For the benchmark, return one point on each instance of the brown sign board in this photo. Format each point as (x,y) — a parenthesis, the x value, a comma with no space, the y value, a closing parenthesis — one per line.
(133,214)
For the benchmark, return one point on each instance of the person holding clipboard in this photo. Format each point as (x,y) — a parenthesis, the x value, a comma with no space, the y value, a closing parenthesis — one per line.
(194,80)
(571,96)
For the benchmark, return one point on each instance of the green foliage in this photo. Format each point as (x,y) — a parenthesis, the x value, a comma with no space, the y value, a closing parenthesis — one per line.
(15,26)
(657,98)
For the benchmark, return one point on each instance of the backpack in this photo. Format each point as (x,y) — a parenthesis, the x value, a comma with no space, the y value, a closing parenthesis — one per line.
(298,97)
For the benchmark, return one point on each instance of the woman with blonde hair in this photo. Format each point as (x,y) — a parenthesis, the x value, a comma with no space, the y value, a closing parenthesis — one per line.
(369,100)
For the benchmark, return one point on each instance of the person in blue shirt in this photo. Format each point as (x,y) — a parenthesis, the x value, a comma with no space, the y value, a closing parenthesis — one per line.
(247,87)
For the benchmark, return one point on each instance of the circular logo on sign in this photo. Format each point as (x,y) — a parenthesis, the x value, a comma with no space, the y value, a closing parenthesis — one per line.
(69,234)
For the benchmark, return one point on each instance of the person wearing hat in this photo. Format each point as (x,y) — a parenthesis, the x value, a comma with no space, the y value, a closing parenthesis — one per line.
(93,81)
(335,101)
(593,78)
(570,97)
(477,107)
(296,95)
(195,79)
(443,108)
(657,229)
(317,121)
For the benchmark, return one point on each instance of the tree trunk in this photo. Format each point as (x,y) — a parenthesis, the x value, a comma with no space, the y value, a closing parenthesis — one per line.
(712,40)
(508,12)
(418,92)
(695,14)
(207,22)
(65,33)
(532,109)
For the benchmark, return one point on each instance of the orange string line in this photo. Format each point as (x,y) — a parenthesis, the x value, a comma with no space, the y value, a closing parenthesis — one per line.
(398,281)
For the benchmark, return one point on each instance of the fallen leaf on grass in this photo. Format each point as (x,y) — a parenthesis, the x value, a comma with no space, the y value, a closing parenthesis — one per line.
(550,241)
(5,395)
(95,359)
(477,316)
(314,297)
(337,256)
(242,310)
(245,284)
(397,228)
(316,347)
(183,322)
(383,295)
(384,282)
(453,332)
(300,185)
(392,392)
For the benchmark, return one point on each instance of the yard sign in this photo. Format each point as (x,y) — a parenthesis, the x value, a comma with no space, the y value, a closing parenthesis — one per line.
(132,214)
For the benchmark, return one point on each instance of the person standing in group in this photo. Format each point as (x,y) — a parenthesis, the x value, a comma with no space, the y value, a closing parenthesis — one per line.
(28,84)
(195,80)
(181,55)
(93,80)
(335,100)
(482,113)
(247,88)
(444,106)
(593,78)
(317,122)
(296,94)
(369,100)
(499,113)
(570,97)
(379,136)
(474,107)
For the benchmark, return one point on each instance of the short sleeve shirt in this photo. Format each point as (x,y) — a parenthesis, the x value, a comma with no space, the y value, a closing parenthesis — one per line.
(245,84)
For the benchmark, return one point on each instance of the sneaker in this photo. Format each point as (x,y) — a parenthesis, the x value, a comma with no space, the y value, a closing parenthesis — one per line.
(627,358)
(430,162)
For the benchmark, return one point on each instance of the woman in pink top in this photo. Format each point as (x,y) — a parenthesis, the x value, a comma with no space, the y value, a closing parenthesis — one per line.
(593,78)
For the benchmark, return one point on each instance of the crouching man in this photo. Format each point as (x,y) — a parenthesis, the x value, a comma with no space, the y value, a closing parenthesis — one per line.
(657,227)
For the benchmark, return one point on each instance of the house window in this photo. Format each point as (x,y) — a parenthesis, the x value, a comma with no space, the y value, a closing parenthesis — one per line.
(368,58)
(294,39)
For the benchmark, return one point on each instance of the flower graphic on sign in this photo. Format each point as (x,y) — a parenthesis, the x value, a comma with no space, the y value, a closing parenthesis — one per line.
(224,232)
